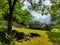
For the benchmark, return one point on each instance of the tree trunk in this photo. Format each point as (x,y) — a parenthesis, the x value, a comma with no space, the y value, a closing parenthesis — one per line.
(11,9)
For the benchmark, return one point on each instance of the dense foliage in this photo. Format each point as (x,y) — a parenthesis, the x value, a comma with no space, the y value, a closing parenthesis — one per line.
(55,12)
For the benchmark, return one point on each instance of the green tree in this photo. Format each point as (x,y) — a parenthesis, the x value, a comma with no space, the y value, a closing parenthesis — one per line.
(11,9)
(22,17)
(55,12)
(12,6)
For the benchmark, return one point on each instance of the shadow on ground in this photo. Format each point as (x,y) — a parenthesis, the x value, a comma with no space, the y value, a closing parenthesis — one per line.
(17,36)
(20,35)
(54,37)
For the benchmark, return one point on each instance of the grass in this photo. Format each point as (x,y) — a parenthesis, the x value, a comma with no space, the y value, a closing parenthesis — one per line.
(42,40)
(54,36)
(46,37)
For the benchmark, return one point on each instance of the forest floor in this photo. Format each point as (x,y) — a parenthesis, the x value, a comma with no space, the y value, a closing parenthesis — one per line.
(46,37)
